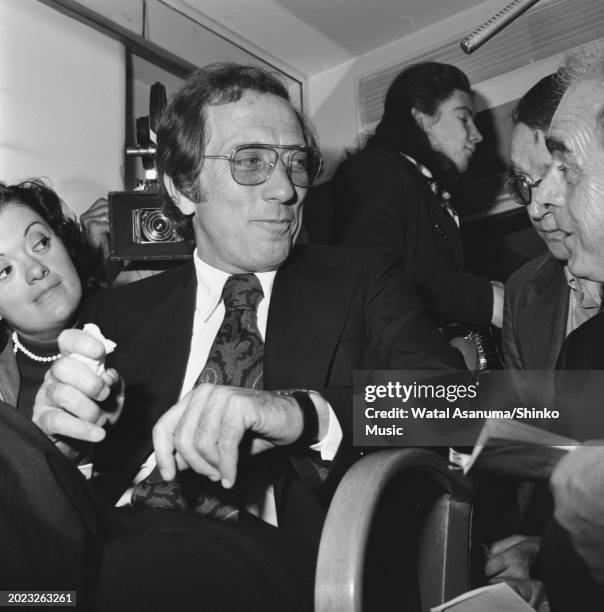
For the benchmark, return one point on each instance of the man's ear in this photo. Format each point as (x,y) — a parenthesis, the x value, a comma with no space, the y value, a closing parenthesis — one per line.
(186,206)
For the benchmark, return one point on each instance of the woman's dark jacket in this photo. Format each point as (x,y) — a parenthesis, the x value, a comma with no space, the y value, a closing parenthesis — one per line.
(382,200)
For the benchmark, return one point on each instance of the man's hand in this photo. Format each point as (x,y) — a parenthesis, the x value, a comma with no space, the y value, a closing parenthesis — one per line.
(67,403)
(577,484)
(511,558)
(498,295)
(205,428)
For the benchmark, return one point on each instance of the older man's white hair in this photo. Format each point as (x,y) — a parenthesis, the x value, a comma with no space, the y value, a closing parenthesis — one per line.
(583,64)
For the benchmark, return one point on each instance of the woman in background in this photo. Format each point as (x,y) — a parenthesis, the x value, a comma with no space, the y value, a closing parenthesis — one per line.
(398,191)
(46,267)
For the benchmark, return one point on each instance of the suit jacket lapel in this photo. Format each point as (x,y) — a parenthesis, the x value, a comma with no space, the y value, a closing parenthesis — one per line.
(153,355)
(172,318)
(542,322)
(307,312)
(9,375)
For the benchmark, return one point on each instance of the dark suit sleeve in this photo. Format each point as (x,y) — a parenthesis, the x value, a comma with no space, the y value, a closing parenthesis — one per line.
(379,203)
(400,332)
(511,351)
(394,332)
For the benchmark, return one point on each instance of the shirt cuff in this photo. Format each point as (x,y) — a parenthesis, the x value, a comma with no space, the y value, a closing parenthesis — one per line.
(329,445)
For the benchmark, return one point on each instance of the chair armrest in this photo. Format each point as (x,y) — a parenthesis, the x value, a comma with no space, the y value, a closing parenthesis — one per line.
(340,564)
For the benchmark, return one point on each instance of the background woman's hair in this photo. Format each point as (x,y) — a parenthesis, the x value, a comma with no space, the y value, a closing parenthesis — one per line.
(422,87)
(41,199)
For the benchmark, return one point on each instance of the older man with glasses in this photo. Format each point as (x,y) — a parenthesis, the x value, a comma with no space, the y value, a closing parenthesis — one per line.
(544,301)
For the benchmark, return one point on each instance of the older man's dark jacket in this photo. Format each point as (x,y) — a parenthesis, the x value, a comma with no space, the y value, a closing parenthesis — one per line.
(535,314)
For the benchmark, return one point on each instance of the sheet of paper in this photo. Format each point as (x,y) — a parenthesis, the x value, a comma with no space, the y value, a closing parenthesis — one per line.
(498,597)
(514,448)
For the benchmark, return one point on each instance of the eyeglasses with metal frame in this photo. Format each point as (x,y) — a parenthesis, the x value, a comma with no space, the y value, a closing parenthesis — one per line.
(520,188)
(254,163)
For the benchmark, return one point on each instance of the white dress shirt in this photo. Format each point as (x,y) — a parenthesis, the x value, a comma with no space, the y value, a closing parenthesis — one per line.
(209,314)
(584,300)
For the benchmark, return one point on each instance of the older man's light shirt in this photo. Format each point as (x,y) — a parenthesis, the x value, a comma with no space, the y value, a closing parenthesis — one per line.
(584,300)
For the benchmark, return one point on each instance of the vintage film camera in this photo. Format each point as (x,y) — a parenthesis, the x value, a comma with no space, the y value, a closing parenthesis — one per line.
(138,229)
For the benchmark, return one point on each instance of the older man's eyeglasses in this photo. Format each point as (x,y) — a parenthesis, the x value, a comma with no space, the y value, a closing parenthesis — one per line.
(520,188)
(253,164)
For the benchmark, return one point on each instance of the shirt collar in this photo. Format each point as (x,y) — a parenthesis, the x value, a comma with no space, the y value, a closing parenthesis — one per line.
(210,282)
(588,291)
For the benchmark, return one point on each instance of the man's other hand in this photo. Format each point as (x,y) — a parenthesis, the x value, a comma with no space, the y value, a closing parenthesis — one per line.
(205,428)
(511,557)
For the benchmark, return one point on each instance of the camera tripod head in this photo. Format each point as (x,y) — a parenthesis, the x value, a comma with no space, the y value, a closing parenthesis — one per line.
(146,133)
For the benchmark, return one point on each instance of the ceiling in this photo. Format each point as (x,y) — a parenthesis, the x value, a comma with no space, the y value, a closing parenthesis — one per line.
(314,35)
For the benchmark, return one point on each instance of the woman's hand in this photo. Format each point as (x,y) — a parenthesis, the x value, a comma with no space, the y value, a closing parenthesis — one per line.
(95,225)
(74,402)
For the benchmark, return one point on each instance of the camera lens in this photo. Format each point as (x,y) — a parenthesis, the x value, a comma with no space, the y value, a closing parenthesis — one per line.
(156,227)
(159,225)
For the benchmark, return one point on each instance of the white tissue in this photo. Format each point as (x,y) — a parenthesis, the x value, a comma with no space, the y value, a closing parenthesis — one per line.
(96,365)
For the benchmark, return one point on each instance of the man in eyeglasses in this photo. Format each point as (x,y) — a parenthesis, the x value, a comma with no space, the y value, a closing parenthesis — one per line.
(544,301)
(253,344)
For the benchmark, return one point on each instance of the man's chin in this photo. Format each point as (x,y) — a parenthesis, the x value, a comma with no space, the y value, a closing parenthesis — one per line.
(270,259)
(557,249)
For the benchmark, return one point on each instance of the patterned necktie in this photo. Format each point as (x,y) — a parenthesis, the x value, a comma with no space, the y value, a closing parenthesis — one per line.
(237,353)
(236,359)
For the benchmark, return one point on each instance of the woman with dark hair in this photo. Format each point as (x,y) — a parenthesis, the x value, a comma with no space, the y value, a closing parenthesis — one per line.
(46,267)
(398,191)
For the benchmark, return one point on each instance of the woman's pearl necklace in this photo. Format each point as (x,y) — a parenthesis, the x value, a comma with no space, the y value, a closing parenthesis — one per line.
(17,346)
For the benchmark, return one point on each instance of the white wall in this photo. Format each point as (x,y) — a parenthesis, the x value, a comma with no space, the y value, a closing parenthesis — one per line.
(63,103)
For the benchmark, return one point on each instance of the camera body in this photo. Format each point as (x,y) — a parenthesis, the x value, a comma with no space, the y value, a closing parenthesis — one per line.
(139,231)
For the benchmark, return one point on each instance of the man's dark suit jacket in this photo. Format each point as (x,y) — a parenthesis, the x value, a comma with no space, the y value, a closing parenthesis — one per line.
(383,201)
(580,381)
(579,392)
(331,311)
(535,314)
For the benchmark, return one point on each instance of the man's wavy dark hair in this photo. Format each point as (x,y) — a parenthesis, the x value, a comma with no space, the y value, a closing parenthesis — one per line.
(423,87)
(41,199)
(182,133)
